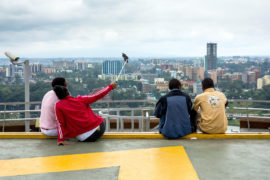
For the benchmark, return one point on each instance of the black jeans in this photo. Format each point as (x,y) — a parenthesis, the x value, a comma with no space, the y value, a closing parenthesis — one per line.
(97,134)
(193,121)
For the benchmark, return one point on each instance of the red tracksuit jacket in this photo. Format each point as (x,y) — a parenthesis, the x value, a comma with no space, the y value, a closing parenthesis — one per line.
(75,116)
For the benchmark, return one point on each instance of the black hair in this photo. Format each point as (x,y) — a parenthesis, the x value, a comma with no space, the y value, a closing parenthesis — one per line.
(174,83)
(60,91)
(207,83)
(58,81)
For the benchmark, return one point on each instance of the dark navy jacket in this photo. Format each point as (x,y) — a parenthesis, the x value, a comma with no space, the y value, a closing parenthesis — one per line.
(174,111)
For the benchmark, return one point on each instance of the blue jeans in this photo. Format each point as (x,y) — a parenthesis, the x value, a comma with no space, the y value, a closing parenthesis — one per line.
(97,134)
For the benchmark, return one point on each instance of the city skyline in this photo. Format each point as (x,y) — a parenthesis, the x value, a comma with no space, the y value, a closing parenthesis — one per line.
(107,28)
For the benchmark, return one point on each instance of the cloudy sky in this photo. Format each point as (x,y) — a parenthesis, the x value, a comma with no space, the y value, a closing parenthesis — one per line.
(141,28)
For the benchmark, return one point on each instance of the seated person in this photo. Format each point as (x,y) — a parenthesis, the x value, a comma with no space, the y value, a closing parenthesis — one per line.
(212,105)
(75,116)
(174,110)
(48,123)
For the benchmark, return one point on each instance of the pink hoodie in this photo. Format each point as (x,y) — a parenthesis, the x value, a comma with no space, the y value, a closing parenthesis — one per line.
(48,116)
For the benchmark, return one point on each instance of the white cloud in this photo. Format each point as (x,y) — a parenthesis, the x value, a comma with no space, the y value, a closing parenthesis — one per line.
(54,28)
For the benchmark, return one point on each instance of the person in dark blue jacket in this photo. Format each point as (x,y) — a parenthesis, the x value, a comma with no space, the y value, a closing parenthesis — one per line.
(174,111)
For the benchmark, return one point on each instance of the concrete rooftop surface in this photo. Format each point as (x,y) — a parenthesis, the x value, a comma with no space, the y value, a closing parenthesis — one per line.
(128,159)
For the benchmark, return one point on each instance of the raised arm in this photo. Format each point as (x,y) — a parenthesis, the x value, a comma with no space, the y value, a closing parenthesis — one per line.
(98,95)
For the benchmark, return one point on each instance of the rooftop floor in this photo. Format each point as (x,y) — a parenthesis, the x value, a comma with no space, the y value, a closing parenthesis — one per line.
(136,159)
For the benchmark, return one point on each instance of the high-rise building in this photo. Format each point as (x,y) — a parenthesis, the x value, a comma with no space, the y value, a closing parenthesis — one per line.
(112,67)
(210,61)
(10,70)
(36,67)
(15,70)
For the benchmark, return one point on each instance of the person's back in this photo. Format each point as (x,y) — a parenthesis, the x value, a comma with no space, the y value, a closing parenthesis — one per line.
(212,109)
(48,120)
(47,116)
(173,110)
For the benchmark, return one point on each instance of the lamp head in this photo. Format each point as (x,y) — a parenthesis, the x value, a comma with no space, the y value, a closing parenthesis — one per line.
(12,58)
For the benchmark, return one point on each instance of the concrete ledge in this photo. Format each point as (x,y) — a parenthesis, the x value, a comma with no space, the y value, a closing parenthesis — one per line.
(143,135)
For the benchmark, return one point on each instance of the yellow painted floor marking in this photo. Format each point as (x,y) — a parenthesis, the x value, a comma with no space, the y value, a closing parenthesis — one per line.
(140,135)
(155,163)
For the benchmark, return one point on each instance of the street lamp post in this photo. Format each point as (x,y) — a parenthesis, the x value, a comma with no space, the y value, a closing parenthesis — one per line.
(14,60)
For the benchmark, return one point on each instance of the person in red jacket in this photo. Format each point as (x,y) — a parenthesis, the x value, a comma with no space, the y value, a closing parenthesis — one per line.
(76,118)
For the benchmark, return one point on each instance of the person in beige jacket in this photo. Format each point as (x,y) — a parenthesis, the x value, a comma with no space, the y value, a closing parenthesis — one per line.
(211,105)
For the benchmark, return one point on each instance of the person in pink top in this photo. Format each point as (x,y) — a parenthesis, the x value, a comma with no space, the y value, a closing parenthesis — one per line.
(48,121)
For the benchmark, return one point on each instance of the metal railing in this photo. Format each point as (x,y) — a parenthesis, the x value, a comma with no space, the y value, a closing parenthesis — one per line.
(143,120)
(140,116)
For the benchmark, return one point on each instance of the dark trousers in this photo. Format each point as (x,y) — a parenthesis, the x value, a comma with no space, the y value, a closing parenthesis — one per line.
(97,134)
(193,121)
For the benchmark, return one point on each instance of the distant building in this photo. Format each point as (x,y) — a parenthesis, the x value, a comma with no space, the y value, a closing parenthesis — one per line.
(188,71)
(162,86)
(210,61)
(146,67)
(187,84)
(157,80)
(180,68)
(133,77)
(145,86)
(257,72)
(213,75)
(36,67)
(245,77)
(63,64)
(112,67)
(201,72)
(237,76)
(196,74)
(233,77)
(158,72)
(265,80)
(10,71)
(260,83)
(156,61)
(83,65)
(19,70)
(2,72)
(193,73)
(249,77)
(197,88)
(149,77)
(166,67)
(15,72)
(49,70)
(220,73)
